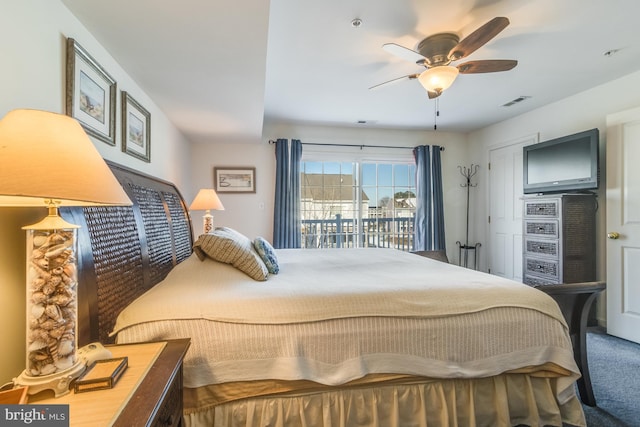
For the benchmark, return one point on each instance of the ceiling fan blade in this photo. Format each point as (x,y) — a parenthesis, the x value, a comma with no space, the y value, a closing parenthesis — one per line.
(404,53)
(478,38)
(396,80)
(486,66)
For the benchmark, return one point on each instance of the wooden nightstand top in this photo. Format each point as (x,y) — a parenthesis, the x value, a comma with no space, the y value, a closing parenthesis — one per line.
(138,395)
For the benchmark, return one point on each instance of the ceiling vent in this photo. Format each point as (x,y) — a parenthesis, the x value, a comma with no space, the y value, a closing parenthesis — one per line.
(516,101)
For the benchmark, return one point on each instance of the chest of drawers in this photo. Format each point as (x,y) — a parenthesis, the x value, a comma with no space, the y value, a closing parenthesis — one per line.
(559,239)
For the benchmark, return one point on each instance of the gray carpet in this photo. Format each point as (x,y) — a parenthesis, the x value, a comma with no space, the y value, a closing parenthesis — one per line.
(614,364)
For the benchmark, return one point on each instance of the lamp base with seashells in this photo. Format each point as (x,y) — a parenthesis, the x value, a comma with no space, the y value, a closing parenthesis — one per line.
(59,382)
(52,306)
(207,222)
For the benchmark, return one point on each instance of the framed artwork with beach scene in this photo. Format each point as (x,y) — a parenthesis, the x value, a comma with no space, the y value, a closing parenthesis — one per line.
(136,128)
(90,94)
(234,179)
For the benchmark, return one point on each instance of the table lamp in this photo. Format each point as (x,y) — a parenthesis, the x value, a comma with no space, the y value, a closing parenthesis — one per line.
(205,200)
(47,159)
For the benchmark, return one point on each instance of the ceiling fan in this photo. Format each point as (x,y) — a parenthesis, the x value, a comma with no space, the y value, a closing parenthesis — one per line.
(438,51)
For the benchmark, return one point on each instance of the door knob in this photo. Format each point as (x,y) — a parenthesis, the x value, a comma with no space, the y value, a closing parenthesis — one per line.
(613,235)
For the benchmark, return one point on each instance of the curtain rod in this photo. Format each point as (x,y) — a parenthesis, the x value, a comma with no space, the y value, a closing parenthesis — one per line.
(361,146)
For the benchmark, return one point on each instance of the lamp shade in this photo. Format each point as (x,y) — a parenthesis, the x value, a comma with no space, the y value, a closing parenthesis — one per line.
(206,199)
(437,79)
(46,155)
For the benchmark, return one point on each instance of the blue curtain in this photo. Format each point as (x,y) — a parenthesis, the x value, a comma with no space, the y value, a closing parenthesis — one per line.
(429,218)
(286,217)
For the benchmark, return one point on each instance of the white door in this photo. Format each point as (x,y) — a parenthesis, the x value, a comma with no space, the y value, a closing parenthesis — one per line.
(623,224)
(505,209)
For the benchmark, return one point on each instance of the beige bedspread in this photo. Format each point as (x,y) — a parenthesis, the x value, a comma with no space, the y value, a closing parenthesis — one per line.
(333,316)
(328,284)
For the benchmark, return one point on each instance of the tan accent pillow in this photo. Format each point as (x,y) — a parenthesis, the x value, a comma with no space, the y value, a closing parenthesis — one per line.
(227,245)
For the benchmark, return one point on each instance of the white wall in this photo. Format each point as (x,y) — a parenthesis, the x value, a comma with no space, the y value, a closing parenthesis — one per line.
(583,111)
(250,214)
(32,75)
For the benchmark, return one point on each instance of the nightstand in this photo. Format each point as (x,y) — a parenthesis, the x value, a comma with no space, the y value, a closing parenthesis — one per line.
(149,393)
(574,300)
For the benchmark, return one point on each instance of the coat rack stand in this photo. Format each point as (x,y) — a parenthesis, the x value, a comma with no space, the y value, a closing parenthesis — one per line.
(466,248)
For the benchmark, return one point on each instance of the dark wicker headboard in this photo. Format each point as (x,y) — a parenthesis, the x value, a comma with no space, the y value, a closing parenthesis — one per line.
(124,251)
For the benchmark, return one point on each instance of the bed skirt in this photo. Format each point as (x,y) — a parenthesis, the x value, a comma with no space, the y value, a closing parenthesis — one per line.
(512,399)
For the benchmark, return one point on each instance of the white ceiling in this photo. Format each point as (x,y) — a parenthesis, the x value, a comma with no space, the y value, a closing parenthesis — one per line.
(219,68)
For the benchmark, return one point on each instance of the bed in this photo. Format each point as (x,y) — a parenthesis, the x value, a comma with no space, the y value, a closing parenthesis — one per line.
(366,337)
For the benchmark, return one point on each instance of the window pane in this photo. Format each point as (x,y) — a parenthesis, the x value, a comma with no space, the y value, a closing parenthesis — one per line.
(370,196)
(368,174)
(311,167)
(400,175)
(331,168)
(384,174)
(347,169)
(331,214)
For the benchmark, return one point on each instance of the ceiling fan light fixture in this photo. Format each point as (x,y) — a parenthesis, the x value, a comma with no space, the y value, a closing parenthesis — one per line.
(438,79)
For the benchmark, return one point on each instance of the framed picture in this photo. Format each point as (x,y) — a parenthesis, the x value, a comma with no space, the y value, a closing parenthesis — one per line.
(91,94)
(136,128)
(235,180)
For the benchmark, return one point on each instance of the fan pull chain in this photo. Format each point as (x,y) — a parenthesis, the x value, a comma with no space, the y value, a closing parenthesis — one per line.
(436,110)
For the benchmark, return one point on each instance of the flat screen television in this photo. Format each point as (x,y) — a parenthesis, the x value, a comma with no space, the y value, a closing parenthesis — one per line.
(566,164)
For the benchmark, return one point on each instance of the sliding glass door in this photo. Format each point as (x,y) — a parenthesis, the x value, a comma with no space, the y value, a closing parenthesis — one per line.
(357,204)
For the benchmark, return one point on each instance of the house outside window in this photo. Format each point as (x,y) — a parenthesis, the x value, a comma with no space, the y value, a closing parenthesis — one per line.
(357,204)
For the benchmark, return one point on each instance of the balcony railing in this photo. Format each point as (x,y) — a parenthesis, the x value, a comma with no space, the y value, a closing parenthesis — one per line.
(349,233)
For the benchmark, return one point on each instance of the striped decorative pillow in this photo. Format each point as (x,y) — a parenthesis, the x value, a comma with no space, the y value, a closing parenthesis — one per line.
(231,247)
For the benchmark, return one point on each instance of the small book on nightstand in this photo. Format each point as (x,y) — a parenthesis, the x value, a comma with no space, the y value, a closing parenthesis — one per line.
(103,374)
